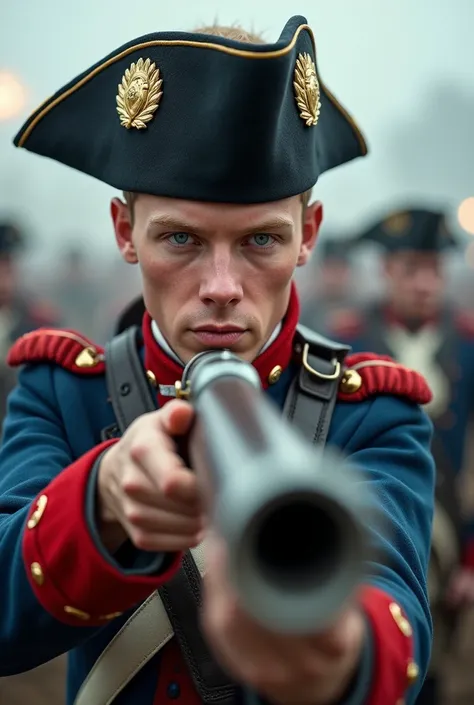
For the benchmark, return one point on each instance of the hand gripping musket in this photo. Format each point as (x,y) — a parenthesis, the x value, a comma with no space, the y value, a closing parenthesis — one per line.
(290,514)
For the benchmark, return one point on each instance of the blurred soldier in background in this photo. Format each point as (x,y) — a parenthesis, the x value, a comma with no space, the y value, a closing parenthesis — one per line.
(414,324)
(77,290)
(329,289)
(18,314)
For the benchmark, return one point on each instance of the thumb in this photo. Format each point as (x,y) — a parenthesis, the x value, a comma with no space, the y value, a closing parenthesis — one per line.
(177,417)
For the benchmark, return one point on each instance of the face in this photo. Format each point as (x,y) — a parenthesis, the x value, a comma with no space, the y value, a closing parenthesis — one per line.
(216,275)
(335,278)
(416,283)
(7,280)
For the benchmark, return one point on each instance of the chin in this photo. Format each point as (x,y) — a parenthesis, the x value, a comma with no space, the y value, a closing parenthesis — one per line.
(425,311)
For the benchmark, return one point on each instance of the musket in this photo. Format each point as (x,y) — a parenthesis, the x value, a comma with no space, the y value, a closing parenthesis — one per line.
(291,514)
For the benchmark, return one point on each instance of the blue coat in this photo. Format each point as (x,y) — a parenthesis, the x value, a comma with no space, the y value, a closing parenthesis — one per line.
(51,439)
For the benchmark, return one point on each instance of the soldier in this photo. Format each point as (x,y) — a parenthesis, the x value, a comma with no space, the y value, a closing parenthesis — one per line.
(415,325)
(216,140)
(18,314)
(331,288)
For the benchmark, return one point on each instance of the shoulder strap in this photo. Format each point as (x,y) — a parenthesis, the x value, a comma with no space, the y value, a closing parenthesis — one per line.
(310,402)
(129,390)
(144,634)
(174,609)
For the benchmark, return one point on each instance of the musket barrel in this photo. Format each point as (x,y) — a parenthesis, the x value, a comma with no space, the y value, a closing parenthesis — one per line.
(288,512)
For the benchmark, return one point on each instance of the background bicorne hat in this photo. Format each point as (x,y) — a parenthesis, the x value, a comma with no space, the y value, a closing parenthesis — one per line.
(413,229)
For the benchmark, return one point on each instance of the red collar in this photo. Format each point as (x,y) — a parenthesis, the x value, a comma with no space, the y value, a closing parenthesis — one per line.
(269,364)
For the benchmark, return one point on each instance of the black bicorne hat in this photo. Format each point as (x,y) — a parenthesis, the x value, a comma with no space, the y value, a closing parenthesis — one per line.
(200,117)
(413,229)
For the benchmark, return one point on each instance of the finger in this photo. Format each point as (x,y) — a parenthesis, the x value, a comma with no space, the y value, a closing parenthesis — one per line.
(176,417)
(181,486)
(140,487)
(166,471)
(158,542)
(161,521)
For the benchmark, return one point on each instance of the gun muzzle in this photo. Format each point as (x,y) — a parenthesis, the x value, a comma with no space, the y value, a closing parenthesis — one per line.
(290,513)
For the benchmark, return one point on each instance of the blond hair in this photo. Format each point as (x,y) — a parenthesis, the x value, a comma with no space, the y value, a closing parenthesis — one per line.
(238,34)
(234,32)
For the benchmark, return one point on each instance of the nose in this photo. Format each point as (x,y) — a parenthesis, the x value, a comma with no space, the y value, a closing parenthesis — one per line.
(220,284)
(425,283)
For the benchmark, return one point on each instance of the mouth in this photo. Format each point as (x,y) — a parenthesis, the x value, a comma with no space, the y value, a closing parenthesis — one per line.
(218,336)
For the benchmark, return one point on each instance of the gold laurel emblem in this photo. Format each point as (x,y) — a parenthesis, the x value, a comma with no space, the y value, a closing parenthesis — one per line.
(139,94)
(307,90)
(397,224)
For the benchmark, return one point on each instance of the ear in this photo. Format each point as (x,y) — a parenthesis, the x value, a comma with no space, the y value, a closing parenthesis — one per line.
(123,230)
(312,222)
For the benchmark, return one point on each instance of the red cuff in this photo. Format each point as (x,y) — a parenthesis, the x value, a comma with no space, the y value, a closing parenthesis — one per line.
(394,669)
(468,555)
(68,575)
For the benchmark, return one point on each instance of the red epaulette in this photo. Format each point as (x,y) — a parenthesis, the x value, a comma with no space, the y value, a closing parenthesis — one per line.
(345,324)
(65,348)
(367,375)
(464,321)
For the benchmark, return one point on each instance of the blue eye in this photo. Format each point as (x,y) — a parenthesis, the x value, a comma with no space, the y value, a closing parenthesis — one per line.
(180,239)
(263,240)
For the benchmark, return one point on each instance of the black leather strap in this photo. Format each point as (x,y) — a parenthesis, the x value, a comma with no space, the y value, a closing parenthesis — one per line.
(312,395)
(309,405)
(129,390)
(182,599)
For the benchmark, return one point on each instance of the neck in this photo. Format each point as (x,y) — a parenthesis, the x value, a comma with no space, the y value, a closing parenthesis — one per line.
(410,321)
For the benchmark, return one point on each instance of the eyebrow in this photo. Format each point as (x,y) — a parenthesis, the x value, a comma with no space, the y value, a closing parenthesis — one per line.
(275,223)
(168,221)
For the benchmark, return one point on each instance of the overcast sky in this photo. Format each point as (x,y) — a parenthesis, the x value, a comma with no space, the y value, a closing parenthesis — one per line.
(404,68)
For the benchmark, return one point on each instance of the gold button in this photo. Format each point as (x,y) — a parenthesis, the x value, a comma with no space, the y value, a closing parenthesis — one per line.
(351,382)
(77,613)
(112,615)
(402,623)
(275,374)
(412,672)
(38,513)
(37,573)
(180,392)
(151,378)
(88,357)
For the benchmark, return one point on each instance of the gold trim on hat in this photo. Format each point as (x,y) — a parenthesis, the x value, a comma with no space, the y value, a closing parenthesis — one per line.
(244,53)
